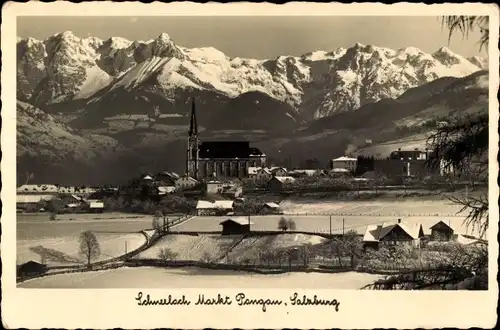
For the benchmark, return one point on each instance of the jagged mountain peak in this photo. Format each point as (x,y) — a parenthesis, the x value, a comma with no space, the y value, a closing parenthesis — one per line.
(165,37)
(315,84)
(117,43)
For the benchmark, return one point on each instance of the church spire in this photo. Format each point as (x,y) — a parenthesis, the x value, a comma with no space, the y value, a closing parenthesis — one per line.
(193,126)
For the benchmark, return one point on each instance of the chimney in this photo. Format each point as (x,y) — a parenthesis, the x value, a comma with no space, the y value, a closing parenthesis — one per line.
(399,220)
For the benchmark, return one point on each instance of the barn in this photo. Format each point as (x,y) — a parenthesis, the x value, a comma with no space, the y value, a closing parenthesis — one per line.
(31,268)
(220,207)
(441,231)
(236,226)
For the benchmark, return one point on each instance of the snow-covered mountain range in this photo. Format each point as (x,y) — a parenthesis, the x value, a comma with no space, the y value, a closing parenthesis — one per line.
(67,73)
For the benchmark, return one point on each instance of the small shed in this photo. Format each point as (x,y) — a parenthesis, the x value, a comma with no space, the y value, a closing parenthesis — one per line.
(442,231)
(31,268)
(272,207)
(236,226)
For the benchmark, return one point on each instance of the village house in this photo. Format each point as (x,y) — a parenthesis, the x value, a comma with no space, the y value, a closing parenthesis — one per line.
(277,183)
(278,171)
(33,203)
(214,187)
(94,205)
(236,226)
(272,208)
(263,174)
(347,163)
(252,172)
(186,182)
(392,234)
(441,231)
(214,208)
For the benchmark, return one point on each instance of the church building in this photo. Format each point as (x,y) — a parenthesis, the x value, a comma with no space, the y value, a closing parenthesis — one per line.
(219,159)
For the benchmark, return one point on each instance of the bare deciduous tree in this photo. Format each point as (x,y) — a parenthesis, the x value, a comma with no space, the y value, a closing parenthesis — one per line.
(89,246)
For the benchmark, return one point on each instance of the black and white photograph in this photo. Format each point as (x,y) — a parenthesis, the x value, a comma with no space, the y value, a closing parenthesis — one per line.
(339,152)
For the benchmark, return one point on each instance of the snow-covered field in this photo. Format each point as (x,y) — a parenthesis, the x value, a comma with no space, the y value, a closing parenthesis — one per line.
(250,247)
(37,226)
(64,250)
(321,223)
(59,239)
(217,247)
(151,277)
(187,247)
(377,208)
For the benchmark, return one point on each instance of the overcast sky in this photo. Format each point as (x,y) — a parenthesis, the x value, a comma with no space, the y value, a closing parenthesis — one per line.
(263,37)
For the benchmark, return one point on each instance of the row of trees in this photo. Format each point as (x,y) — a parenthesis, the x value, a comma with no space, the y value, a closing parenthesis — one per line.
(167,204)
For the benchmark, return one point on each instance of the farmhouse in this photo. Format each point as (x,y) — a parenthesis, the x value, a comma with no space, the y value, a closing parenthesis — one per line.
(279,182)
(215,208)
(31,268)
(441,231)
(390,234)
(236,226)
(32,202)
(185,182)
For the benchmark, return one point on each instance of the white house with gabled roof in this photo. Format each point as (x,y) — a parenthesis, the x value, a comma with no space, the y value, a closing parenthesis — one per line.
(393,233)
(348,163)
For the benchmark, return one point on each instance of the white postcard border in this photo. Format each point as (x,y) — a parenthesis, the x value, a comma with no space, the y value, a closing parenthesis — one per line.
(110,308)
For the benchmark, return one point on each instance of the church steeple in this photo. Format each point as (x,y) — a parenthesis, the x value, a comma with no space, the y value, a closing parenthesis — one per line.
(193,126)
(193,148)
